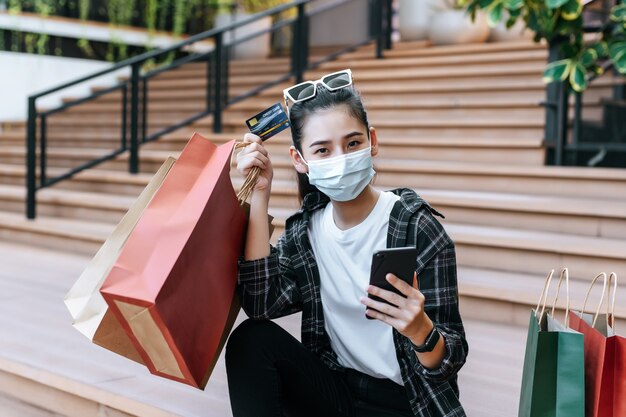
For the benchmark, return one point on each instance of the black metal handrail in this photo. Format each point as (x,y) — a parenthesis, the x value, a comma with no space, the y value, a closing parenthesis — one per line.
(134,90)
(558,106)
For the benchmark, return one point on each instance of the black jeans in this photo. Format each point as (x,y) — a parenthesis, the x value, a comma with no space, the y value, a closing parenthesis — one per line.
(271,374)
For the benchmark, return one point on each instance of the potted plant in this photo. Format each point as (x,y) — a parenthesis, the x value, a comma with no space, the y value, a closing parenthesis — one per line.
(229,11)
(452,24)
(501,33)
(414,18)
(560,23)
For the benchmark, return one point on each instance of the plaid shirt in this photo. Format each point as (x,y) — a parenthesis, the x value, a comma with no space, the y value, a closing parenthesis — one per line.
(288,281)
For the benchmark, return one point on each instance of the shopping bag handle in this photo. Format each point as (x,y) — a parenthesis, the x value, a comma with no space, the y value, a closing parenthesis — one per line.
(610,308)
(251,178)
(593,283)
(544,295)
(564,273)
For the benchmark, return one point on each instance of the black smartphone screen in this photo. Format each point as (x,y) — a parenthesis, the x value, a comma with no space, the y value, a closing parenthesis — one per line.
(398,261)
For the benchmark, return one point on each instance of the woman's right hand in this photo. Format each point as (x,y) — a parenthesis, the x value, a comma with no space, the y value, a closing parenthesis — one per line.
(253,155)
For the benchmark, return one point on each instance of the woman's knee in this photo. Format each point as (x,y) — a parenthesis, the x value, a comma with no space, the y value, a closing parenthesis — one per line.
(249,337)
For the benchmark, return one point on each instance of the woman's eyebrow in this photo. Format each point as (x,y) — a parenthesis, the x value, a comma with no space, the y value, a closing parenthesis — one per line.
(352,134)
(319,142)
(325,142)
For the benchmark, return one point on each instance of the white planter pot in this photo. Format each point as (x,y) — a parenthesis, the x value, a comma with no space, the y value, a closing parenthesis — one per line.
(456,27)
(414,18)
(500,33)
(258,47)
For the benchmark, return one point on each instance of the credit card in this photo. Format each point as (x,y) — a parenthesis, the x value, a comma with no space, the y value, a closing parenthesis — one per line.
(268,122)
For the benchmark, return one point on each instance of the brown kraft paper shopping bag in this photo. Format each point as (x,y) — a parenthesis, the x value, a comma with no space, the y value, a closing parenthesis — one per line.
(173,286)
(89,311)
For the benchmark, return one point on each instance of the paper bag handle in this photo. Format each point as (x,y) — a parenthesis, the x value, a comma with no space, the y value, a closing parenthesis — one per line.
(610,308)
(593,283)
(251,177)
(544,295)
(564,273)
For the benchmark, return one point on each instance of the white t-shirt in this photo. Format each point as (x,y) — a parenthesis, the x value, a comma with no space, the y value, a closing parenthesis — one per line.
(344,259)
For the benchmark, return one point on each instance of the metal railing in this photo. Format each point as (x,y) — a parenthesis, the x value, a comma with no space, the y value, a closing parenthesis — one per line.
(134,89)
(564,125)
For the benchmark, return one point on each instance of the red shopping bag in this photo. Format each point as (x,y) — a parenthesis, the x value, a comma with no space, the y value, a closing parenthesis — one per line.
(173,286)
(605,356)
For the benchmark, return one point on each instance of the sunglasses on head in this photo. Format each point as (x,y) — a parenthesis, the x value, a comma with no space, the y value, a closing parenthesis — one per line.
(307,89)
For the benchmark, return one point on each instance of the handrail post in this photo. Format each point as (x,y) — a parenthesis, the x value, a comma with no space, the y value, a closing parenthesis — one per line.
(144,109)
(31,160)
(209,82)
(562,120)
(557,99)
(124,138)
(304,39)
(217,77)
(380,6)
(134,120)
(298,46)
(388,23)
(43,159)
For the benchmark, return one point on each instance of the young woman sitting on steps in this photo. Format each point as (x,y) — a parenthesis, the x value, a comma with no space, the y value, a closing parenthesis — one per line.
(402,363)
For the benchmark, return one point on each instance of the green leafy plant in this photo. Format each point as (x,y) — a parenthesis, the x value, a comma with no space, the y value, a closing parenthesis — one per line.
(249,6)
(561,21)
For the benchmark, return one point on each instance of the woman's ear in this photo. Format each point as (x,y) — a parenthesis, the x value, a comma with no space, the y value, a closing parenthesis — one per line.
(297,161)
(373,141)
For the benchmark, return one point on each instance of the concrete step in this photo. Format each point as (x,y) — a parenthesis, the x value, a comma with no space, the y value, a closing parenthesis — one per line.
(366,63)
(513,152)
(443,50)
(431,88)
(424,127)
(70,205)
(401,115)
(508,297)
(384,76)
(372,104)
(536,252)
(581,216)
(77,236)
(565,215)
(506,249)
(429,61)
(607,183)
(529,252)
(502,151)
(604,183)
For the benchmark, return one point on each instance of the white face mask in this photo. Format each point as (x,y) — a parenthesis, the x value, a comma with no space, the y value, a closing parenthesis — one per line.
(343,177)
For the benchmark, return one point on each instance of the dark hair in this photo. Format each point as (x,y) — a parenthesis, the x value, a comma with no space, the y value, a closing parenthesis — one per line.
(323,99)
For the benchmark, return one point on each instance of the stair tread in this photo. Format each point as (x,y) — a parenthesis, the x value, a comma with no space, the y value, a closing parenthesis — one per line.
(527,203)
(388,165)
(69,228)
(526,288)
(539,241)
(53,195)
(369,75)
(399,165)
(477,58)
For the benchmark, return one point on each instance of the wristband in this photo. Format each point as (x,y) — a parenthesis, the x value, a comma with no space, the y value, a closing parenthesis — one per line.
(429,343)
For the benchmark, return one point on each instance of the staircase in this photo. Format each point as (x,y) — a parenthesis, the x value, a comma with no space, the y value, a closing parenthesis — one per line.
(462,125)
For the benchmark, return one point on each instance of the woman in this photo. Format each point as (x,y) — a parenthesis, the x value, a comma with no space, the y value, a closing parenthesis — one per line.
(402,363)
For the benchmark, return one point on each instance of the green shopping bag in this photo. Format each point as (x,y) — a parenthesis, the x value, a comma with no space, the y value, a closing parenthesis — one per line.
(553,380)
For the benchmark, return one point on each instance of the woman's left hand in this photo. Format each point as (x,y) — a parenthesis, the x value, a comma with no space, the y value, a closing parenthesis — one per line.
(406,315)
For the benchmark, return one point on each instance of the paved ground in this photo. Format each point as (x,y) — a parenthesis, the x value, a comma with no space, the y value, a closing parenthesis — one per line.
(36,331)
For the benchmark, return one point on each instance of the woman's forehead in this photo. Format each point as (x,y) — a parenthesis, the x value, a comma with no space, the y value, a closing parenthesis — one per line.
(330,124)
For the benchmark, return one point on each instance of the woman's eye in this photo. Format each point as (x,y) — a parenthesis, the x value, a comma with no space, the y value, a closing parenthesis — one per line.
(353,144)
(321,151)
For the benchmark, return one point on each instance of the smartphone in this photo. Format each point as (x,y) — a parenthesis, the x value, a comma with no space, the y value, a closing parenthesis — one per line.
(398,261)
